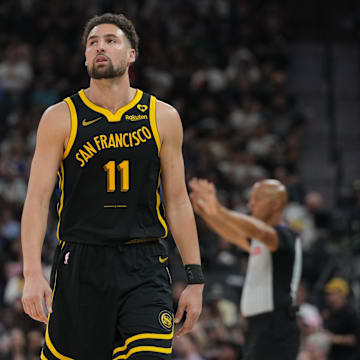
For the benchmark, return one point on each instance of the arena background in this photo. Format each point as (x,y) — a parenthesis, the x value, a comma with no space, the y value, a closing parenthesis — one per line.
(264,89)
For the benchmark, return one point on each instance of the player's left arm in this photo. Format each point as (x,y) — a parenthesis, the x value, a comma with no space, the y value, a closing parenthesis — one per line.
(179,211)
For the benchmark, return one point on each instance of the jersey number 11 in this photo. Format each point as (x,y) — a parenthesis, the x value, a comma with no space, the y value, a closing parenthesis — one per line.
(123,168)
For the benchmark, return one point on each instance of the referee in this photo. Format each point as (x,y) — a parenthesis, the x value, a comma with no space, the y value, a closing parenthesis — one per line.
(274,267)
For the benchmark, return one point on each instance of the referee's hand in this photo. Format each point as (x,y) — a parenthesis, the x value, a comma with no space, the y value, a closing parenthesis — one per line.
(36,288)
(190,302)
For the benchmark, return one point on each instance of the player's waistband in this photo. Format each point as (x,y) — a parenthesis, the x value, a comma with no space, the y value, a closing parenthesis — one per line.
(112,243)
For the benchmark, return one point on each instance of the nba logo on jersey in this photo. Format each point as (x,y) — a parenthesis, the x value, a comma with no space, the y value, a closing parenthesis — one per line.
(66,259)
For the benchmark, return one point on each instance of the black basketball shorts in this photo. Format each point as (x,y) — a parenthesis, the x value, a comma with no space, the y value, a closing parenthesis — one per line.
(110,303)
(272,336)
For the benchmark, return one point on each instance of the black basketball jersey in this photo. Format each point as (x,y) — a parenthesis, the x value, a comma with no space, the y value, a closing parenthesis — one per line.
(110,173)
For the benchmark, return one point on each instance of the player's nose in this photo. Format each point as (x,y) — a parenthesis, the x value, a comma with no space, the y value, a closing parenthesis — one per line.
(100,46)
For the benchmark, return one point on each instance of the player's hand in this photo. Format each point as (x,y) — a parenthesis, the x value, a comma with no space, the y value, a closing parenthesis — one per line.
(190,302)
(203,197)
(36,289)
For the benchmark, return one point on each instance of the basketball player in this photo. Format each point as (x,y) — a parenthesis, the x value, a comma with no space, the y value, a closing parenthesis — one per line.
(108,145)
(274,265)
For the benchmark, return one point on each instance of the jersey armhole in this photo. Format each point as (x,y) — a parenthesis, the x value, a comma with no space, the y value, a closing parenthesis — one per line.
(74,125)
(153,124)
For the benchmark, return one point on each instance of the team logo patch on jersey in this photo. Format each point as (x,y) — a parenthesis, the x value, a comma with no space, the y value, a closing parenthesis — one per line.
(66,258)
(166,319)
(142,108)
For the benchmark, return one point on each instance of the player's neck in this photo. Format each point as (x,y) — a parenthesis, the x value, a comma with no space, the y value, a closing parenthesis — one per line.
(111,94)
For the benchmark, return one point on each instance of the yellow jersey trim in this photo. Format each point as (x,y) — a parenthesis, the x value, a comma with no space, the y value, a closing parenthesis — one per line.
(153,123)
(52,348)
(155,349)
(74,126)
(60,207)
(42,356)
(143,336)
(158,204)
(111,117)
(48,342)
(155,132)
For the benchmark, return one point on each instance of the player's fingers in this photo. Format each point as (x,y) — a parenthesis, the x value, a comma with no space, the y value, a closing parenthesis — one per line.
(193,199)
(192,181)
(188,325)
(31,311)
(48,294)
(181,331)
(194,184)
(179,313)
(202,183)
(40,311)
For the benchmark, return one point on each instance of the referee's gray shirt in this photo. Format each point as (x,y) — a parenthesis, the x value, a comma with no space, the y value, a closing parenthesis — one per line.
(272,278)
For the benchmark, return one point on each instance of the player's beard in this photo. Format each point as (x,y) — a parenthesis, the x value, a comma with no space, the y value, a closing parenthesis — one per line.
(107,72)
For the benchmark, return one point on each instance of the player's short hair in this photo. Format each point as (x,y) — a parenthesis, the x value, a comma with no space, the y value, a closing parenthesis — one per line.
(119,20)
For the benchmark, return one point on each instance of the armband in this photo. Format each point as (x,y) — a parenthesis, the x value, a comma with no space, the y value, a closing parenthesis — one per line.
(194,274)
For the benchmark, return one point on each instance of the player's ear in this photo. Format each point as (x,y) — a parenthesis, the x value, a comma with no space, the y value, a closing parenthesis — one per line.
(132,56)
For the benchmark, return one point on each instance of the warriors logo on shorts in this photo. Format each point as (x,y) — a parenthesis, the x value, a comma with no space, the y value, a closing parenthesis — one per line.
(166,319)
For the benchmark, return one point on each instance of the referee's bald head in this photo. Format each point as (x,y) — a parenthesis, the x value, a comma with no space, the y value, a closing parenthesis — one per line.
(273,190)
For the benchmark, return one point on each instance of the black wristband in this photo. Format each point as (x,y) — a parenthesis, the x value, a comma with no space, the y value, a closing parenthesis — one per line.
(194,274)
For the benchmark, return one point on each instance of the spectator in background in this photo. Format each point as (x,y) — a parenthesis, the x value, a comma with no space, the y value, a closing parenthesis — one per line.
(316,347)
(186,349)
(341,321)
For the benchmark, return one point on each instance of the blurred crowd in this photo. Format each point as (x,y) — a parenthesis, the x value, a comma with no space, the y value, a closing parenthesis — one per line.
(224,64)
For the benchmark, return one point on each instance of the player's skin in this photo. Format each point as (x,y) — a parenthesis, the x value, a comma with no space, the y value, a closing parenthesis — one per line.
(106,46)
(266,204)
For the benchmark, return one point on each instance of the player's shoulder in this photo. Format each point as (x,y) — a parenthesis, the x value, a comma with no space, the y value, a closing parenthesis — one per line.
(167,110)
(56,117)
(168,121)
(58,109)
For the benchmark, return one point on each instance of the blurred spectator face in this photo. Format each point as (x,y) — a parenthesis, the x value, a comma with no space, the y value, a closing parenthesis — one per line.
(229,351)
(7,317)
(335,299)
(17,340)
(317,346)
(108,52)
(184,347)
(35,341)
(336,290)
(314,201)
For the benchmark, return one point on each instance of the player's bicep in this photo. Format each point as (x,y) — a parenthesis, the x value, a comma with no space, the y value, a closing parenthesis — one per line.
(48,154)
(171,159)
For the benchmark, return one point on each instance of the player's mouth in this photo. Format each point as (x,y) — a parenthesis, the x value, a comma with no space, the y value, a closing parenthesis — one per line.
(101,59)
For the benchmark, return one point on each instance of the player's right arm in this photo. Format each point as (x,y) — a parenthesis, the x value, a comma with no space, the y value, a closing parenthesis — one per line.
(52,135)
